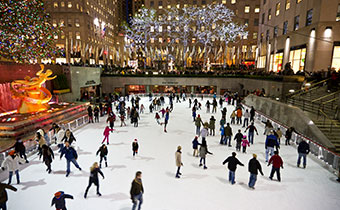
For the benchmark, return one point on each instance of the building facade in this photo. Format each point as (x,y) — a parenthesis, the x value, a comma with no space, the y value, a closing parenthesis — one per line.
(246,11)
(88,30)
(302,32)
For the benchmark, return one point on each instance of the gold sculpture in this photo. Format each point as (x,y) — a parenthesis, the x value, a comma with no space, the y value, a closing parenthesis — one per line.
(34,97)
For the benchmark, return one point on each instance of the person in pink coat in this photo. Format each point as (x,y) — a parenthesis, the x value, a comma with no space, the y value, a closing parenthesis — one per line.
(107,134)
(245,143)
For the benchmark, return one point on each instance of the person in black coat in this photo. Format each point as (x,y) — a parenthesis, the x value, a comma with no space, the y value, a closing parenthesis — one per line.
(48,157)
(102,151)
(252,114)
(3,194)
(232,165)
(253,167)
(59,200)
(94,178)
(20,148)
(238,137)
(96,114)
(135,147)
(137,191)
(90,114)
(69,137)
(303,150)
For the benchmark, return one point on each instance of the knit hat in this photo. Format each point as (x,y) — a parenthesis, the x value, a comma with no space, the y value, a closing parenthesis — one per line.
(255,155)
(12,152)
(244,137)
(57,194)
(135,140)
(179,148)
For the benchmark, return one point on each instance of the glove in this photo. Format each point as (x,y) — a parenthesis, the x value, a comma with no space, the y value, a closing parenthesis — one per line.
(3,168)
(262,174)
(103,177)
(282,167)
(181,164)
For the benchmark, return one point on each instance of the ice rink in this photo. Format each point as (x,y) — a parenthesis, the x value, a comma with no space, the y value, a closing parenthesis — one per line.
(198,189)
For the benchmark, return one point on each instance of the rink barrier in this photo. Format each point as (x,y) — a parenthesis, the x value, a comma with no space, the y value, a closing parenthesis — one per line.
(32,146)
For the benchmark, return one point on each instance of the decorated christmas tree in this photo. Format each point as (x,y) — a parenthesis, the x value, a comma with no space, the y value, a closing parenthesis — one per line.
(26,34)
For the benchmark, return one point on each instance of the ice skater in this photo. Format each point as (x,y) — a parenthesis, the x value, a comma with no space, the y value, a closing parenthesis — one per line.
(11,163)
(48,156)
(137,191)
(277,162)
(179,164)
(157,117)
(232,166)
(111,120)
(195,144)
(106,134)
(198,123)
(271,142)
(203,154)
(102,151)
(303,150)
(251,131)
(4,196)
(20,149)
(71,156)
(212,122)
(254,167)
(59,200)
(166,120)
(245,143)
(135,147)
(238,137)
(94,170)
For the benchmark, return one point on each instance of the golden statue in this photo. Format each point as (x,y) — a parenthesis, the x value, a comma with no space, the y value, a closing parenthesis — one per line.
(34,97)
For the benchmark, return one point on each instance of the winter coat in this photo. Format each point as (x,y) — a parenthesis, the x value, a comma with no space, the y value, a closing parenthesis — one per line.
(135,146)
(19,146)
(47,154)
(178,156)
(198,122)
(136,187)
(60,202)
(245,143)
(276,161)
(254,166)
(102,151)
(204,132)
(195,144)
(212,123)
(238,137)
(41,141)
(267,130)
(228,131)
(107,131)
(222,130)
(69,153)
(239,112)
(246,115)
(59,136)
(271,141)
(222,122)
(94,175)
(3,193)
(303,147)
(204,151)
(279,133)
(233,114)
(232,163)
(12,163)
(70,139)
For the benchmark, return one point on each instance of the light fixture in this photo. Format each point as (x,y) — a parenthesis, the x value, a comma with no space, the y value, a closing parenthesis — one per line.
(291,91)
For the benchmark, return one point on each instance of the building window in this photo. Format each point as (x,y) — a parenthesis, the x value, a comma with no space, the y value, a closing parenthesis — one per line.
(246,22)
(269,14)
(76,23)
(152,40)
(257,9)
(62,22)
(267,35)
(277,10)
(261,62)
(152,3)
(262,20)
(276,62)
(309,17)
(296,22)
(55,4)
(338,14)
(336,58)
(56,36)
(275,31)
(255,35)
(160,40)
(69,4)
(297,59)
(160,4)
(69,22)
(298,1)
(247,9)
(233,1)
(62,4)
(264,1)
(261,37)
(287,4)
(224,1)
(285,27)
(78,35)
(54,23)
(62,34)
(256,22)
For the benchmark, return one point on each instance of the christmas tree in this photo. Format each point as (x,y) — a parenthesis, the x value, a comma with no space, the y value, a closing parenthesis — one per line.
(26,34)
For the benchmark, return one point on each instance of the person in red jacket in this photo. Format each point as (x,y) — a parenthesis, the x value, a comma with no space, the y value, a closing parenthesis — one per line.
(277,162)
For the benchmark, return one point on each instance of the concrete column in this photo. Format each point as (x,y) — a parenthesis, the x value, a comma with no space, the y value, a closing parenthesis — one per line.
(286,52)
(310,51)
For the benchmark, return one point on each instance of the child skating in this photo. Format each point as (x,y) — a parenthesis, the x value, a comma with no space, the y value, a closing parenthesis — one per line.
(135,147)
(245,143)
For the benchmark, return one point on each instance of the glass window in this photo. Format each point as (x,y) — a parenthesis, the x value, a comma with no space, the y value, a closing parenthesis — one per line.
(269,14)
(275,31)
(298,1)
(152,40)
(62,22)
(160,40)
(256,22)
(287,4)
(55,4)
(285,27)
(267,35)
(338,14)
(54,23)
(76,22)
(277,10)
(62,34)
(309,17)
(257,9)
(261,62)
(246,22)
(62,4)
(69,22)
(264,1)
(336,58)
(233,1)
(296,22)
(152,3)
(276,62)
(247,9)
(297,59)
(69,4)
(78,35)
(224,1)
(255,35)
(262,20)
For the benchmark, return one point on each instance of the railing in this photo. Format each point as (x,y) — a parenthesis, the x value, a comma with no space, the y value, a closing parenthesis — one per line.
(327,96)
(332,123)
(303,91)
(31,145)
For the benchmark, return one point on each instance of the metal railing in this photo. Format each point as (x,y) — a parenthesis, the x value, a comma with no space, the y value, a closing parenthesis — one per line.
(332,123)
(314,86)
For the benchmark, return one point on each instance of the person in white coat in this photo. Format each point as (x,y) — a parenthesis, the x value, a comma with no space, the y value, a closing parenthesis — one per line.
(11,163)
(204,131)
(246,116)
(60,133)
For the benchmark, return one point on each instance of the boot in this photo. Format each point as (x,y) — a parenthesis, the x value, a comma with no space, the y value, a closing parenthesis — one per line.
(98,193)
(105,164)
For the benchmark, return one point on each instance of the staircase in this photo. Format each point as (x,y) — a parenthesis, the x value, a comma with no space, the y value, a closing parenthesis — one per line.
(322,107)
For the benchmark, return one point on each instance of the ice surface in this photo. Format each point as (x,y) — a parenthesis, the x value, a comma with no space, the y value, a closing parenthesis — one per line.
(198,189)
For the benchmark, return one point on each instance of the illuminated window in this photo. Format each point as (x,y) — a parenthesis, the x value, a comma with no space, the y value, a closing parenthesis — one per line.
(297,59)
(298,1)
(269,14)
(77,6)
(277,10)
(78,35)
(62,22)
(56,36)
(247,9)
(55,5)
(69,4)
(152,29)
(255,35)
(160,4)
(246,22)
(276,62)
(62,4)
(261,62)
(160,40)
(54,23)
(296,22)
(309,17)
(168,28)
(62,34)
(193,40)
(76,23)
(257,9)
(287,4)
(336,58)
(233,1)
(338,14)
(160,29)
(152,40)
(224,1)
(69,22)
